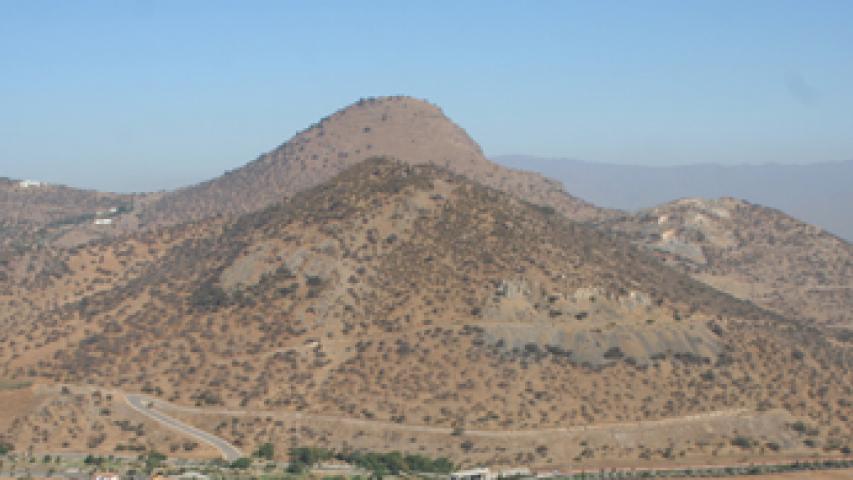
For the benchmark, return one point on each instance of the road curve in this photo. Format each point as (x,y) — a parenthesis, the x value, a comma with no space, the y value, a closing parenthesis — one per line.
(447,430)
(140,404)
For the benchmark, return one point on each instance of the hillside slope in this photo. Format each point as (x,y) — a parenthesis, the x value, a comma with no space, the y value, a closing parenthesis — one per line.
(753,252)
(400,127)
(35,213)
(411,295)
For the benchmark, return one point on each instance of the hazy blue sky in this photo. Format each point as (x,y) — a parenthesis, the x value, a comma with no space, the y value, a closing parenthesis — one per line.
(143,95)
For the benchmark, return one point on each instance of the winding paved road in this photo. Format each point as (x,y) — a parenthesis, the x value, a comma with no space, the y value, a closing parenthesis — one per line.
(140,404)
(285,415)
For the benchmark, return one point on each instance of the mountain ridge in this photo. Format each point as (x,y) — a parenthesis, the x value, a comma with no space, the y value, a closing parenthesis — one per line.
(413,295)
(401,127)
(753,252)
(815,193)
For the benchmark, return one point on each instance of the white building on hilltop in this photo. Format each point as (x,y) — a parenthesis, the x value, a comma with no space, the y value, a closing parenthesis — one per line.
(29,183)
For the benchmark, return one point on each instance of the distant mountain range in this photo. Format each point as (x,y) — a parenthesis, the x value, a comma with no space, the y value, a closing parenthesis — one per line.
(821,194)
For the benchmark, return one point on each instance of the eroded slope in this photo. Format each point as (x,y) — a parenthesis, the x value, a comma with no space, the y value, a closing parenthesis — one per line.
(753,252)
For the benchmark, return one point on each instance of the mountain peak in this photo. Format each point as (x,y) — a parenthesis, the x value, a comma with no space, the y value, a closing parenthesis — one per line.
(411,130)
(406,128)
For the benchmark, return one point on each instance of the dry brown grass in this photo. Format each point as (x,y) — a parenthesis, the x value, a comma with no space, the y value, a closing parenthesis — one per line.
(77,419)
(368,297)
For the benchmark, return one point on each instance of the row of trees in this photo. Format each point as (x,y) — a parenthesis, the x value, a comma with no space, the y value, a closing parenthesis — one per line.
(379,464)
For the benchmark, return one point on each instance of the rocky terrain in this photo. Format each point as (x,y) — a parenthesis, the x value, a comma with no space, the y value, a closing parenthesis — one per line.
(409,295)
(752,252)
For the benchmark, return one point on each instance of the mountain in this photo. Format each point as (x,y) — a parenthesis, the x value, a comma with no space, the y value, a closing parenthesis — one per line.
(820,194)
(753,252)
(443,316)
(398,127)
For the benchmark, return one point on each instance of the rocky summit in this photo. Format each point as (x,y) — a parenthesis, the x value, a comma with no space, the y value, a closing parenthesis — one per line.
(410,130)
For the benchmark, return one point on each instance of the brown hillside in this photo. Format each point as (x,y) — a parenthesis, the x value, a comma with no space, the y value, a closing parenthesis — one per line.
(753,252)
(38,213)
(399,127)
(408,295)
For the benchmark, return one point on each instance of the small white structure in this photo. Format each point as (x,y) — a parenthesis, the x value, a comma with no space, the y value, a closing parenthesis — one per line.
(106,476)
(515,472)
(29,183)
(486,474)
(103,221)
(473,474)
(551,474)
(107,212)
(191,476)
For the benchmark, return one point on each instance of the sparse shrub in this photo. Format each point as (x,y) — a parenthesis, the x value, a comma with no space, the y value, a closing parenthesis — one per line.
(241,463)
(208,297)
(613,353)
(153,460)
(267,451)
(742,441)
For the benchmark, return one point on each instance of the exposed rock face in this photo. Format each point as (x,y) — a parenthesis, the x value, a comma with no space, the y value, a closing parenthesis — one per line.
(752,252)
(592,327)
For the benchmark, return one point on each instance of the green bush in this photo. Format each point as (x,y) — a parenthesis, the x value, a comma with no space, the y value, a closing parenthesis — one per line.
(241,463)
(266,451)
(742,442)
(153,460)
(309,456)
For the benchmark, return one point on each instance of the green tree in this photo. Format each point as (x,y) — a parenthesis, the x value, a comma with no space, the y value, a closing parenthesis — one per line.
(153,460)
(266,451)
(241,463)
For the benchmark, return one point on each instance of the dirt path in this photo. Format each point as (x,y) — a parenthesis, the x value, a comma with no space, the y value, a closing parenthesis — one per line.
(160,404)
